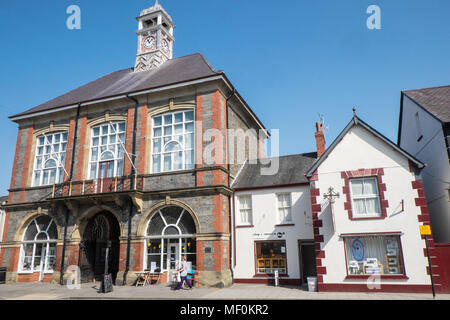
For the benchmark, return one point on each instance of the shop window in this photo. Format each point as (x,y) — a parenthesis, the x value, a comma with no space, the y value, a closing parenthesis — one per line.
(245,210)
(170,236)
(284,208)
(271,256)
(365,197)
(38,250)
(374,255)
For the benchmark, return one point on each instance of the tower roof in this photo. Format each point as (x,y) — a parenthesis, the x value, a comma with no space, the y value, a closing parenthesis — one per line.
(156,8)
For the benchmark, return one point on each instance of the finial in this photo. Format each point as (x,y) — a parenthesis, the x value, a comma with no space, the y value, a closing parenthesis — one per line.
(156,3)
(354,111)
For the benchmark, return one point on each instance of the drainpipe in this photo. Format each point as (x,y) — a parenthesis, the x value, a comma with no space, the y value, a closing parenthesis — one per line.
(133,182)
(66,211)
(229,197)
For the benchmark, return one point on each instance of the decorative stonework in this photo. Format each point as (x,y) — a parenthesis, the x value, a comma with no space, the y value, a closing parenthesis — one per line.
(149,61)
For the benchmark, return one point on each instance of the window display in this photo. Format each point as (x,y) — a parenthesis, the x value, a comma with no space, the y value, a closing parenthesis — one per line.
(373,255)
(271,256)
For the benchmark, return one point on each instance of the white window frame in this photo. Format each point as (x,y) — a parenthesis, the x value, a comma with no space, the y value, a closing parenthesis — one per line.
(45,141)
(365,196)
(35,242)
(281,220)
(119,148)
(181,237)
(166,139)
(249,211)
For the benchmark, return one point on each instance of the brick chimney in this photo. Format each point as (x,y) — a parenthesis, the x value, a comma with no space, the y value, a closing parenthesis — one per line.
(320,140)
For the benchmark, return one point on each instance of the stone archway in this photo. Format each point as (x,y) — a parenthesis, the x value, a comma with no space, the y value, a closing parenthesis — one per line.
(102,231)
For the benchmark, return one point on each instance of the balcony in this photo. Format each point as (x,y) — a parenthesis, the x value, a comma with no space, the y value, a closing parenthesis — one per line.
(97,186)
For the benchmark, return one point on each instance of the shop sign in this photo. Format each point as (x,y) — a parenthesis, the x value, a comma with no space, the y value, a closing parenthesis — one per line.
(269,235)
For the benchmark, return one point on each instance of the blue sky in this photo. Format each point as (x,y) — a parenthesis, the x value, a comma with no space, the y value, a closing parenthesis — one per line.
(290,60)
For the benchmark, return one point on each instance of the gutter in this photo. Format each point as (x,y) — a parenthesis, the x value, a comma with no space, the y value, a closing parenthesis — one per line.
(66,211)
(133,183)
(230,220)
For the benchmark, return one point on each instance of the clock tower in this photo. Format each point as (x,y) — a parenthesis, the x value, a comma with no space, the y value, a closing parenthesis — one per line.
(155,38)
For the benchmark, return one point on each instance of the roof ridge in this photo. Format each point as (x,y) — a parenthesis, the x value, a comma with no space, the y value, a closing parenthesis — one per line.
(438,87)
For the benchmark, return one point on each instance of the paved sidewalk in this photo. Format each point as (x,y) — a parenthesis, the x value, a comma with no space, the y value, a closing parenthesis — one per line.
(41,291)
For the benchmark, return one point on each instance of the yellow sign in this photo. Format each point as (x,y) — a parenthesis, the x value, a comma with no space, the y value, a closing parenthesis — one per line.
(425,230)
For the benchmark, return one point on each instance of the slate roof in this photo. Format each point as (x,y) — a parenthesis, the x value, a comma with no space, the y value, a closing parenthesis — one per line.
(435,100)
(186,68)
(292,170)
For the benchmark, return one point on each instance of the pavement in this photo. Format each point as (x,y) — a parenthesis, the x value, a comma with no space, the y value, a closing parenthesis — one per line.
(44,291)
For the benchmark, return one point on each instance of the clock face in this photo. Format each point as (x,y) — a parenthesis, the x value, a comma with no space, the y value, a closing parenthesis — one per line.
(165,45)
(149,43)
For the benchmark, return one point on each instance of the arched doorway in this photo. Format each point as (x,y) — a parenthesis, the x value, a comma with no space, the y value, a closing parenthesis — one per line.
(170,234)
(102,231)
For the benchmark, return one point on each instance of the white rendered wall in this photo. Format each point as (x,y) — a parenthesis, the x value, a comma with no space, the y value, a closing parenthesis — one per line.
(264,209)
(360,149)
(436,175)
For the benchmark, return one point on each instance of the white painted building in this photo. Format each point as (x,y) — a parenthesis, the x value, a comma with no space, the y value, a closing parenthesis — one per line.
(272,223)
(424,127)
(368,239)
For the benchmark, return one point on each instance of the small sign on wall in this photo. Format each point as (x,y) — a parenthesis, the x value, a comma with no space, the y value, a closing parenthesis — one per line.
(425,230)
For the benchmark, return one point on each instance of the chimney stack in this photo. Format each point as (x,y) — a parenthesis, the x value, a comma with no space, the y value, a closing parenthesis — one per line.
(320,140)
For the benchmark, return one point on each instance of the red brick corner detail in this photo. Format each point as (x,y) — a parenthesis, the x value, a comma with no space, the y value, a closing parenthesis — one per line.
(360,173)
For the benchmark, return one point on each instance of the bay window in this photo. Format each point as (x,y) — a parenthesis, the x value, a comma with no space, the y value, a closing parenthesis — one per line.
(49,158)
(172,142)
(107,150)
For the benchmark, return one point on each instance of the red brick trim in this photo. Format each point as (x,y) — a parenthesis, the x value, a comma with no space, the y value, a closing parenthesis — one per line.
(316,208)
(245,226)
(290,281)
(393,288)
(375,172)
(382,276)
(437,264)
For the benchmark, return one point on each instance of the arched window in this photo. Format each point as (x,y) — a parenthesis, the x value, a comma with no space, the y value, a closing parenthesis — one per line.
(38,252)
(107,150)
(50,158)
(173,141)
(170,235)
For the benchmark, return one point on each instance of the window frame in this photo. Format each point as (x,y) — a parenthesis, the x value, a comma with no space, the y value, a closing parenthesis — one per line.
(48,242)
(163,238)
(119,144)
(279,220)
(172,139)
(249,213)
(364,197)
(400,255)
(58,156)
(257,272)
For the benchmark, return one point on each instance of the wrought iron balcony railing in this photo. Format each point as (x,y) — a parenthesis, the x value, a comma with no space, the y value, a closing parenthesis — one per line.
(97,186)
